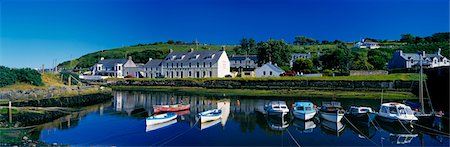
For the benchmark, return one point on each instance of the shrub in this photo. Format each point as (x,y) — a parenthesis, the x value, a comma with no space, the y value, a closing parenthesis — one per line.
(327,72)
(28,75)
(7,76)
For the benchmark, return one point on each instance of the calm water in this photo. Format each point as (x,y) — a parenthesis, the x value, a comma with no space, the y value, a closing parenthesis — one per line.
(122,122)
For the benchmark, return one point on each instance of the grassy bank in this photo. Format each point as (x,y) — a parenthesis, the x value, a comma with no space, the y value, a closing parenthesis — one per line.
(389,77)
(274,93)
(49,80)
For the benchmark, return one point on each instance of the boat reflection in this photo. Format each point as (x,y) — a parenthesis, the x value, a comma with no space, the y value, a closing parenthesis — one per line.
(304,126)
(208,124)
(224,105)
(333,128)
(364,128)
(401,138)
(149,128)
(277,123)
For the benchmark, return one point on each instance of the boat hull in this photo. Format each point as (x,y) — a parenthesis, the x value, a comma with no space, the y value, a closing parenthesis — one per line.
(161,120)
(303,115)
(209,118)
(170,108)
(332,116)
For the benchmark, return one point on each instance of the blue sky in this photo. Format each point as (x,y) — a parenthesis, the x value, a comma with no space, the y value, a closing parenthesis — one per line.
(36,32)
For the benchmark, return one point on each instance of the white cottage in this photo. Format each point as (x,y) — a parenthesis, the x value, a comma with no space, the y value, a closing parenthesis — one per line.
(269,70)
(112,67)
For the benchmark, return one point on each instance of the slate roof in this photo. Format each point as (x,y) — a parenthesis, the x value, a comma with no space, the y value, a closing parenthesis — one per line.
(193,57)
(273,67)
(112,62)
(243,57)
(153,63)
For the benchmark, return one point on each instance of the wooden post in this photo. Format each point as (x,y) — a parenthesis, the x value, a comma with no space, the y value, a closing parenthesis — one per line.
(10,112)
(70,81)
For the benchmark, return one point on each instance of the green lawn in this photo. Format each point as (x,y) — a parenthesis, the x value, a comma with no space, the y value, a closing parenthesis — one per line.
(389,77)
(275,93)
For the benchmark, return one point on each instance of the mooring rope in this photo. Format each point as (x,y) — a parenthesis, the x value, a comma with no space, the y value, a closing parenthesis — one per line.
(176,136)
(293,139)
(372,121)
(404,127)
(360,131)
(444,133)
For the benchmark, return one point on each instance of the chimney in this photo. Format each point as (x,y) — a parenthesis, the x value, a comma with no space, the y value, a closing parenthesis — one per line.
(275,64)
(223,47)
(101,58)
(150,59)
(129,58)
(170,50)
(191,50)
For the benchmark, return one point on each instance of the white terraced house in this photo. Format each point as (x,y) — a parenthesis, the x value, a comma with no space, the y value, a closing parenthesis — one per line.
(112,67)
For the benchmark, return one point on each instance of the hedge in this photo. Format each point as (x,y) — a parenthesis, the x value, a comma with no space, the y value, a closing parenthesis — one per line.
(9,76)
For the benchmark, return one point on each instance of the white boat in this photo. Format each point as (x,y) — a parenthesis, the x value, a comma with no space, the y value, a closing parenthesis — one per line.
(277,108)
(210,115)
(331,111)
(149,128)
(304,110)
(396,112)
(160,118)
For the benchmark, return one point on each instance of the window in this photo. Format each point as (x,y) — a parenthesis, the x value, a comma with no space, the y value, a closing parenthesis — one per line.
(392,110)
(308,108)
(300,108)
(172,65)
(210,64)
(181,64)
(177,65)
(190,74)
(198,64)
(198,74)
(204,73)
(189,65)
(264,72)
(171,74)
(177,73)
(118,67)
(204,64)
(181,74)
(210,73)
(402,111)
(167,65)
(270,72)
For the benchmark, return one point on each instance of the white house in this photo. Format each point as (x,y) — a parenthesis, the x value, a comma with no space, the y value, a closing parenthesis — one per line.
(409,60)
(269,70)
(367,44)
(196,64)
(112,67)
(243,65)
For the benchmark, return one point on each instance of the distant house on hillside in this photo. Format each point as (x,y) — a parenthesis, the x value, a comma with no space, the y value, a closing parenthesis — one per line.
(243,65)
(298,55)
(268,70)
(367,44)
(409,60)
(112,67)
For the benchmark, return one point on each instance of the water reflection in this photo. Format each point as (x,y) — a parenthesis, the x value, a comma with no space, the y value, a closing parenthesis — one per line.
(242,123)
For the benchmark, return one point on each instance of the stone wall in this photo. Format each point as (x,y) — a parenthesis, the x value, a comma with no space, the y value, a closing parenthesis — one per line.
(368,72)
(42,93)
(282,84)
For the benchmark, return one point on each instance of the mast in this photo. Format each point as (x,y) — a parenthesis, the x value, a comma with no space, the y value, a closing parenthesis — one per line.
(422,109)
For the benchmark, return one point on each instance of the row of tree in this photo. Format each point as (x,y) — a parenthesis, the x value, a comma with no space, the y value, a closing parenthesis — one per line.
(9,76)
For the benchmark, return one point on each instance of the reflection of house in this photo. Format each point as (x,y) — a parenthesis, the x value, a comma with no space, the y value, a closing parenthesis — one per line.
(243,65)
(367,44)
(112,67)
(298,55)
(268,70)
(409,60)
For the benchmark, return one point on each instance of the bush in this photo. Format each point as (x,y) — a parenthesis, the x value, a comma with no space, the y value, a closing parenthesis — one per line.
(327,72)
(28,75)
(7,76)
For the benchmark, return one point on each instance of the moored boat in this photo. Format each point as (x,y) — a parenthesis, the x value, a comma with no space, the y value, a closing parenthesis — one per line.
(396,112)
(304,110)
(210,115)
(160,118)
(153,127)
(361,114)
(276,108)
(170,108)
(331,111)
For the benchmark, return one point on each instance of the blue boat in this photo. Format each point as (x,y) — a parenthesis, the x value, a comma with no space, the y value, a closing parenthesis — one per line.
(304,110)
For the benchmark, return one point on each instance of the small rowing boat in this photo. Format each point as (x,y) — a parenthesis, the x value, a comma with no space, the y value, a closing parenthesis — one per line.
(160,118)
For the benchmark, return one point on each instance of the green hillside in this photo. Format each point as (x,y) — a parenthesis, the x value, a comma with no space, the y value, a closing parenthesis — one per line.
(139,53)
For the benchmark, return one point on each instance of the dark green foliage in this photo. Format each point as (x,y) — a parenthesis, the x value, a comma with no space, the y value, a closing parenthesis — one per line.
(302,64)
(7,76)
(276,51)
(143,57)
(28,75)
(340,58)
(360,62)
(302,40)
(247,47)
(378,58)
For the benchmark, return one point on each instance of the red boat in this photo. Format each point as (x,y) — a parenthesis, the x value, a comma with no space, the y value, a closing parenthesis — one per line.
(170,108)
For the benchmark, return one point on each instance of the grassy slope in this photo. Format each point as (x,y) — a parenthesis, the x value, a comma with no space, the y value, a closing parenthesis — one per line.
(275,93)
(390,77)
(49,79)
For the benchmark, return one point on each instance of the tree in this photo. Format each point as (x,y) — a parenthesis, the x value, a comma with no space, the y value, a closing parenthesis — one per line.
(360,62)
(302,64)
(170,42)
(377,58)
(408,38)
(276,51)
(7,76)
(339,58)
(247,47)
(302,40)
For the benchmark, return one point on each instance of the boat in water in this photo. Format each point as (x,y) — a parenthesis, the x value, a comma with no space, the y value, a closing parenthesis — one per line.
(208,124)
(277,123)
(170,108)
(153,127)
(360,114)
(331,111)
(276,108)
(160,118)
(304,110)
(210,115)
(333,128)
(396,112)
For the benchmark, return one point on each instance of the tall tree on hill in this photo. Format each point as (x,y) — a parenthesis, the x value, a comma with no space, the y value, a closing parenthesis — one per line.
(302,40)
(408,38)
(340,58)
(377,58)
(276,51)
(246,47)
